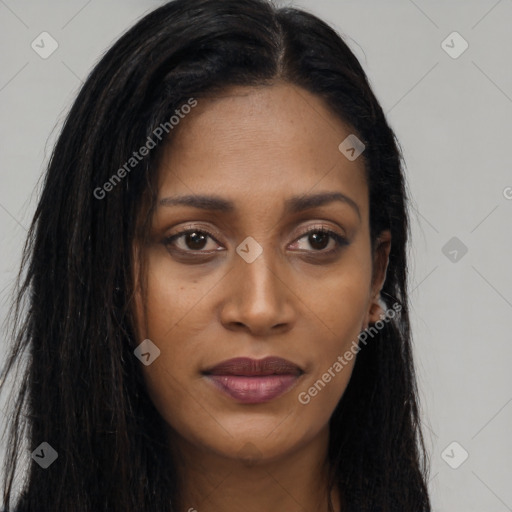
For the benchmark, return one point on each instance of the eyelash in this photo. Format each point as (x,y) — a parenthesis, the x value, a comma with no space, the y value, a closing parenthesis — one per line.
(340,240)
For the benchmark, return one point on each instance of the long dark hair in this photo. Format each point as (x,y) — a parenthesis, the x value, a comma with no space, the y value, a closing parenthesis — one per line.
(73,336)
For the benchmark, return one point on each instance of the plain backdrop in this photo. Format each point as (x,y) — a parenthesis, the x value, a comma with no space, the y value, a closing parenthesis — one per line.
(451,108)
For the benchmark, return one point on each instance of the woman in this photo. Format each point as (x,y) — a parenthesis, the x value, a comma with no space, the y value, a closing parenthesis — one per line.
(216,281)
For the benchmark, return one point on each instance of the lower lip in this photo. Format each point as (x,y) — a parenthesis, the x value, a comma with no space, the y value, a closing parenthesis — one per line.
(253,390)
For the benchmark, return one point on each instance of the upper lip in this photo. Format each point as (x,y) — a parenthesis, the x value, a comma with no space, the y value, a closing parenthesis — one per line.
(245,366)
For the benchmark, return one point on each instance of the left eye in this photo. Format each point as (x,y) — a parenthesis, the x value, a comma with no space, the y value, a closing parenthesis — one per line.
(319,238)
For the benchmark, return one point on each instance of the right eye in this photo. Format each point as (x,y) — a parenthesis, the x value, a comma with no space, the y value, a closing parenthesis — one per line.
(190,240)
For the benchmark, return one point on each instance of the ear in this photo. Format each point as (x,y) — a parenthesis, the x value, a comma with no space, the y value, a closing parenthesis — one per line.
(380,266)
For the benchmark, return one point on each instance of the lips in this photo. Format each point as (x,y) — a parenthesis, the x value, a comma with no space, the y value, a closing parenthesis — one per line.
(253,381)
(245,366)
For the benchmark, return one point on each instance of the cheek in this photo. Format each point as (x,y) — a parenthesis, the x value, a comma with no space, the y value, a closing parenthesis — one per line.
(340,298)
(170,317)
(340,305)
(319,396)
(335,354)
(172,299)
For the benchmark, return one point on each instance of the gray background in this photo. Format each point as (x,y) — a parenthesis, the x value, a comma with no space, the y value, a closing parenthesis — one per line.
(452,117)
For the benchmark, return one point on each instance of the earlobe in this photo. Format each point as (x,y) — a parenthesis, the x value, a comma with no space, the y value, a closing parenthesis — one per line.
(380,267)
(377,309)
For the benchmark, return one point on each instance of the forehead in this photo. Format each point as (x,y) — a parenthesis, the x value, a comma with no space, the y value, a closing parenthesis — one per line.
(262,142)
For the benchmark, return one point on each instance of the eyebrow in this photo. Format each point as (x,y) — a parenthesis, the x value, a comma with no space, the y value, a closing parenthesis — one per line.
(292,205)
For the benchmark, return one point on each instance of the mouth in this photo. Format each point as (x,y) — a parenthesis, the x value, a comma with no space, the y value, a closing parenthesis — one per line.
(254,381)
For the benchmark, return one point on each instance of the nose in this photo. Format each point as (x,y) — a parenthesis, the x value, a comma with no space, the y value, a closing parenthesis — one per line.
(258,299)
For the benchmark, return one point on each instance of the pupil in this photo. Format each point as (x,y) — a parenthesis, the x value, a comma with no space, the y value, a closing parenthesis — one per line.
(316,239)
(194,240)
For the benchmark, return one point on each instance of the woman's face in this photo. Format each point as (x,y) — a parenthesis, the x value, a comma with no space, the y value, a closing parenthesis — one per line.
(248,281)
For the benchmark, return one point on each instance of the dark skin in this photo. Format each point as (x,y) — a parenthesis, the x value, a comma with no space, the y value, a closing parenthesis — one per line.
(300,299)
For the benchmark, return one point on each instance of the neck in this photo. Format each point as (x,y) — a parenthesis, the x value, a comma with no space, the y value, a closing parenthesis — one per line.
(292,482)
